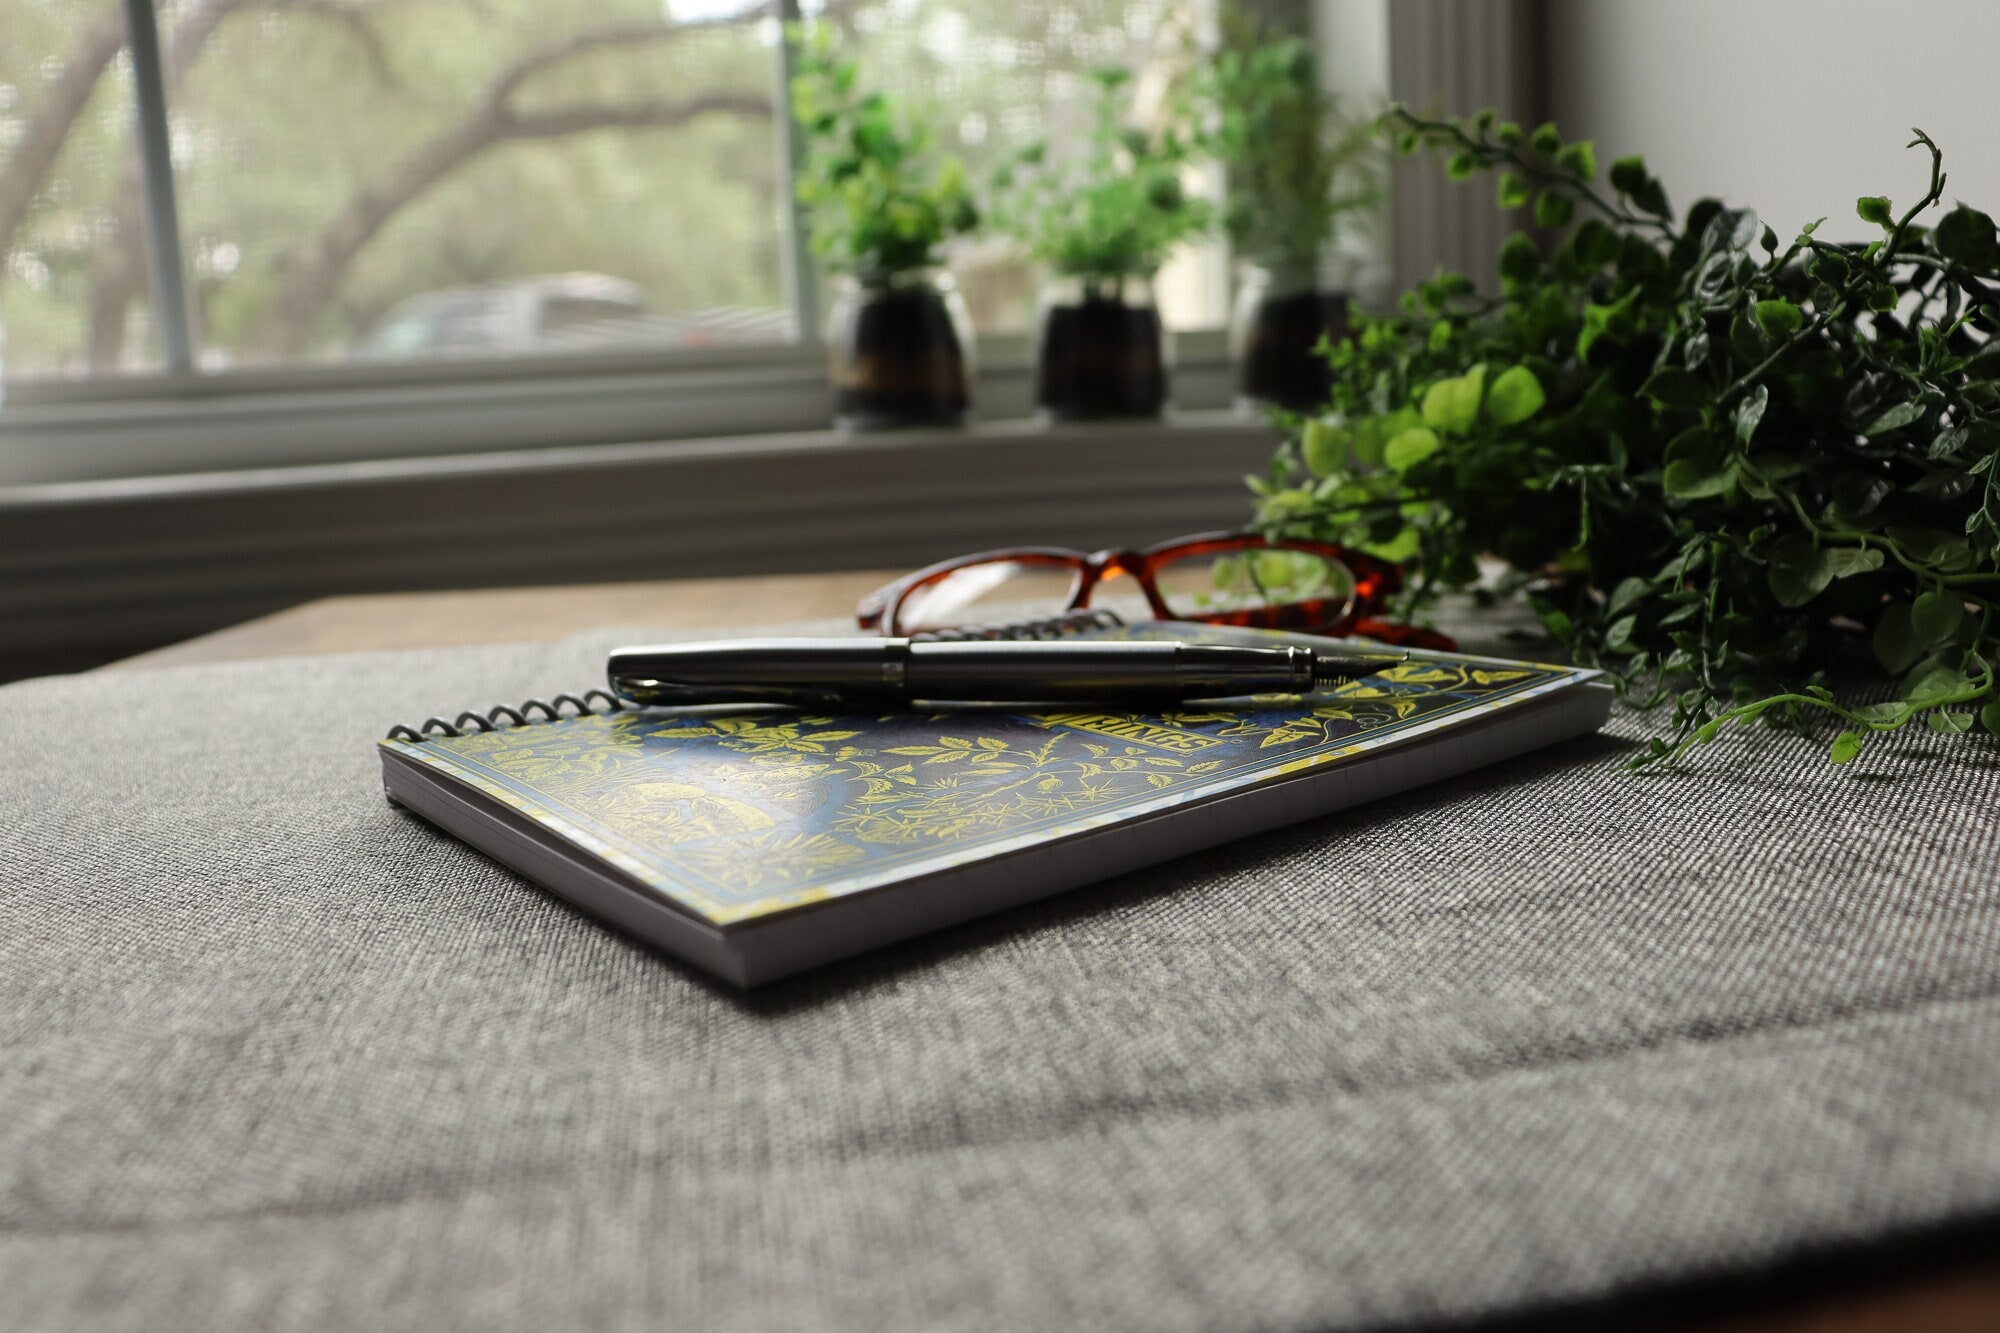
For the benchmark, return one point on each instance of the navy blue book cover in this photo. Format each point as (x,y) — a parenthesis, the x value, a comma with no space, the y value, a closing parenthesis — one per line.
(739,816)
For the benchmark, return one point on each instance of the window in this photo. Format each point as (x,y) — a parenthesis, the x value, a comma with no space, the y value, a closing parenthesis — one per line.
(366,182)
(68,160)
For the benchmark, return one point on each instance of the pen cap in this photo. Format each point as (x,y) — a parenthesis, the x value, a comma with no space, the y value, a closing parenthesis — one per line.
(811,672)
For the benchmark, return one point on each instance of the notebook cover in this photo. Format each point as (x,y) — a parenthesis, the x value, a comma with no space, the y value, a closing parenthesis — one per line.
(740,816)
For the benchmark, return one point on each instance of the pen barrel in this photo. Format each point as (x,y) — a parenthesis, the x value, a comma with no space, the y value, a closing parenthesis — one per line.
(890,672)
(1054,672)
(1133,673)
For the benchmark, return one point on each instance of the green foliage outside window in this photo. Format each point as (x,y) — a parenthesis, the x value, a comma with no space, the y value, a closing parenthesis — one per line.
(1734,470)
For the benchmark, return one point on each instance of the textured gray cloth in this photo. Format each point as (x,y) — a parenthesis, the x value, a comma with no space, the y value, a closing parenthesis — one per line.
(272,1053)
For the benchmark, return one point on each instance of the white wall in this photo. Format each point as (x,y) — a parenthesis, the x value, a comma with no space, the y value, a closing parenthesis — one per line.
(1793,107)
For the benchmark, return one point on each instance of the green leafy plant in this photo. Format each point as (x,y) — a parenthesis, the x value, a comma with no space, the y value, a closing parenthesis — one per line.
(1115,212)
(1734,471)
(883,202)
(1297,165)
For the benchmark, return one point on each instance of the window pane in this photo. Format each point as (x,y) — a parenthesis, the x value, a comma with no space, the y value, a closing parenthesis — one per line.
(438,179)
(993,77)
(73,274)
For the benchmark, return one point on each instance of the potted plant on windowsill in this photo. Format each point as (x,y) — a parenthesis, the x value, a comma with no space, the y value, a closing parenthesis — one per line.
(1103,224)
(1297,169)
(883,205)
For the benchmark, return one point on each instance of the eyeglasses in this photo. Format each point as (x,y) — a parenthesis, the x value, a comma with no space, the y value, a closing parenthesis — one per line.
(1221,578)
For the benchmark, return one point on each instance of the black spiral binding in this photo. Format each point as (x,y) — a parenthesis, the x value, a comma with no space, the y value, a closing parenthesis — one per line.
(500,715)
(1053,627)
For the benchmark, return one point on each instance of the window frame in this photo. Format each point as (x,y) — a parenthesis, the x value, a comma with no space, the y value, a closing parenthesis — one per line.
(182,418)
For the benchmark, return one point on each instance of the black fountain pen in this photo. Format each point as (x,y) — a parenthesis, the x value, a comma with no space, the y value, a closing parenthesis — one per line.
(893,673)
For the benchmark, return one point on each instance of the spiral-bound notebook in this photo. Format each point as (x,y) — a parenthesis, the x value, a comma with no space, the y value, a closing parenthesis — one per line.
(756,844)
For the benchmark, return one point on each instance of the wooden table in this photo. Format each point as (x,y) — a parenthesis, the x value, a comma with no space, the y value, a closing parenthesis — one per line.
(1954,1293)
(509,615)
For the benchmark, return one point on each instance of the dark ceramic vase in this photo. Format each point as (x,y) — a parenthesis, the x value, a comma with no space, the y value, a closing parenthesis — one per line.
(900,352)
(1100,350)
(1274,336)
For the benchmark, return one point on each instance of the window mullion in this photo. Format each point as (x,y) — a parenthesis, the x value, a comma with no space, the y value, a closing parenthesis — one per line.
(163,232)
(801,276)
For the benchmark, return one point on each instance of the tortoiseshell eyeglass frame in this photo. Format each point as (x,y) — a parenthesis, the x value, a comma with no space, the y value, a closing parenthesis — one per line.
(1374,582)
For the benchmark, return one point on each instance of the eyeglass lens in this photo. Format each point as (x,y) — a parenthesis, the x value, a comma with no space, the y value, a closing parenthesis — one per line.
(1194,586)
(986,594)
(1222,581)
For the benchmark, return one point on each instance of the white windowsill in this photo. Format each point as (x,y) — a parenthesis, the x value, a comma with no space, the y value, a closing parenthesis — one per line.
(254,420)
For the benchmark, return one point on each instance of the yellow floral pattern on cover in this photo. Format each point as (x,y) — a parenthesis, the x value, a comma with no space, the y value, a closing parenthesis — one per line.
(740,815)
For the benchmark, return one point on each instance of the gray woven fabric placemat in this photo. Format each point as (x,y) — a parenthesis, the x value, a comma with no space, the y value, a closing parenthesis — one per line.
(273,1054)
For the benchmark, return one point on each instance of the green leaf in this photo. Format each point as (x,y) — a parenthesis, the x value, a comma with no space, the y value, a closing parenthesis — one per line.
(1799,572)
(1461,166)
(1856,496)
(1749,412)
(1520,261)
(1651,198)
(1594,244)
(1326,447)
(1895,643)
(1873,208)
(1515,396)
(1933,683)
(1949,724)
(1512,190)
(1936,616)
(1965,236)
(1553,209)
(1628,174)
(1895,418)
(1547,140)
(1989,717)
(1777,466)
(1780,318)
(1618,638)
(1934,546)
(1693,479)
(1949,442)
(1599,319)
(1397,549)
(1369,436)
(1452,405)
(1845,747)
(1579,159)
(1627,592)
(1411,447)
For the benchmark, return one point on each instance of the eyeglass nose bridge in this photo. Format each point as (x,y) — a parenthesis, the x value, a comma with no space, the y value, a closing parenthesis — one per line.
(1107,564)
